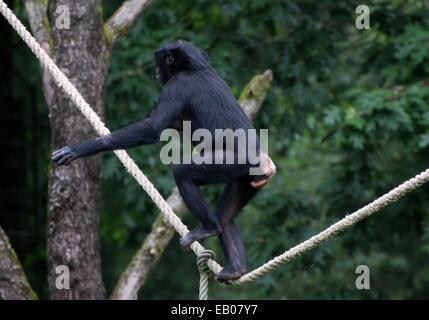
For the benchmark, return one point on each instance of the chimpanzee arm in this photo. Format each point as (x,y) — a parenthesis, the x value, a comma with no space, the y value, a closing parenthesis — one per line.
(146,131)
(133,135)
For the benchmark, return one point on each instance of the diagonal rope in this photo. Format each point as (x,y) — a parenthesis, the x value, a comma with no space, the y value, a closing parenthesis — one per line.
(166,210)
(348,221)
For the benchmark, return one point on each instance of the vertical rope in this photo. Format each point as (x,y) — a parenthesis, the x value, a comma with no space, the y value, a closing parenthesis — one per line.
(205,272)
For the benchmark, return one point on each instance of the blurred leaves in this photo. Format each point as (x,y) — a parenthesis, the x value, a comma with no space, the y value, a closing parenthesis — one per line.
(348,118)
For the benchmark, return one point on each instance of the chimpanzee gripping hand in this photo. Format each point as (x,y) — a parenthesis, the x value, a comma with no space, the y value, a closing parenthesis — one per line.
(64,156)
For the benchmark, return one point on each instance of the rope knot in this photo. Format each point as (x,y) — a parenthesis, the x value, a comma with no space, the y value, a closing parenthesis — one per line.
(202,259)
(205,273)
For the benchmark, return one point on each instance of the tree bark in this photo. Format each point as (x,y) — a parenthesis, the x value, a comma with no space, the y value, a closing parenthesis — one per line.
(39,23)
(153,246)
(82,52)
(73,220)
(119,23)
(13,282)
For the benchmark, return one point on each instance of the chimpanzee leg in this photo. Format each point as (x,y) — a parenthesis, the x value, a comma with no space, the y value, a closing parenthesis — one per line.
(234,197)
(196,203)
(188,179)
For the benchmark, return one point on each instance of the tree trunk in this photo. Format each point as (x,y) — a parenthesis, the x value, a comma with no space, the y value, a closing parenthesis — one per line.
(13,282)
(73,220)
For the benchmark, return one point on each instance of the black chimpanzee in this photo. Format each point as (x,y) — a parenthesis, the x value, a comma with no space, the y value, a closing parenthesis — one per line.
(193,91)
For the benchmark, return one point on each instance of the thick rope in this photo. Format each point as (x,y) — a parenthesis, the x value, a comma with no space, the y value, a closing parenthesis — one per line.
(338,227)
(166,210)
(205,272)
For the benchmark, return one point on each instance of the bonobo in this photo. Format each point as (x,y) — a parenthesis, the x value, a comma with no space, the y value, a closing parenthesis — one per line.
(193,91)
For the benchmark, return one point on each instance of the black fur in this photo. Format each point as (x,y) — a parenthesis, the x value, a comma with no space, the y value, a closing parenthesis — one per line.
(193,91)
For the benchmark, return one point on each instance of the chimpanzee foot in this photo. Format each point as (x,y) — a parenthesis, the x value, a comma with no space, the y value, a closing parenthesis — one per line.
(198,234)
(230,273)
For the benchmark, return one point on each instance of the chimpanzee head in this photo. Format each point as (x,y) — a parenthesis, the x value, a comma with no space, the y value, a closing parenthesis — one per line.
(178,56)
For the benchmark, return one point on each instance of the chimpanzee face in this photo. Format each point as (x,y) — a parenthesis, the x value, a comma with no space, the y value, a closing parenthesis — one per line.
(176,57)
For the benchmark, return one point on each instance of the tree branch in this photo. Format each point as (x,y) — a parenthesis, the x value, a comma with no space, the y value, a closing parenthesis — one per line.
(254,93)
(37,12)
(13,282)
(151,250)
(135,275)
(123,19)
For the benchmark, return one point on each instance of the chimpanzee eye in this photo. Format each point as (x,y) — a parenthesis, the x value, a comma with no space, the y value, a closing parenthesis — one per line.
(169,59)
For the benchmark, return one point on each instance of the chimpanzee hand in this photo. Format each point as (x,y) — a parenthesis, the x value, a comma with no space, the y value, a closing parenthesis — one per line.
(64,156)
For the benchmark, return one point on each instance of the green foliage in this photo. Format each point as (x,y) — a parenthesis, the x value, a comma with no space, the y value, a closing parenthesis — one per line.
(348,118)
(354,101)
